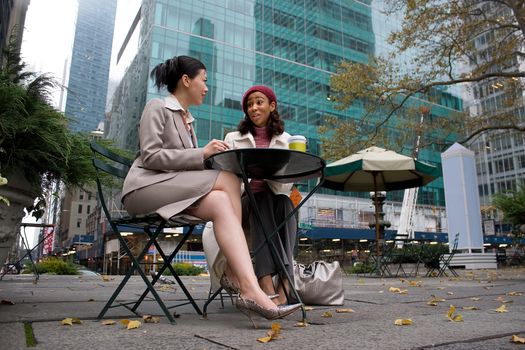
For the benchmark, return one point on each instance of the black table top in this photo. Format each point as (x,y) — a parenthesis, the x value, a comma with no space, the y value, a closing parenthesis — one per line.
(282,165)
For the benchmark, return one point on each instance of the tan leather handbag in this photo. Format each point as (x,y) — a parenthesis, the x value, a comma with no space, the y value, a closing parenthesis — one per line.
(319,283)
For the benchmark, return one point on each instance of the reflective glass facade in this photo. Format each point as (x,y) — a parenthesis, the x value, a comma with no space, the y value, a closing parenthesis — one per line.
(292,46)
(88,80)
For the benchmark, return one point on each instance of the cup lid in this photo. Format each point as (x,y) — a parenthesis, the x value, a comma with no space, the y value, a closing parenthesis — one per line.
(297,138)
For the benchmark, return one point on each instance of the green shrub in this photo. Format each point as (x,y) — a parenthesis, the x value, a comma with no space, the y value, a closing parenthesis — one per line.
(54,266)
(360,268)
(184,269)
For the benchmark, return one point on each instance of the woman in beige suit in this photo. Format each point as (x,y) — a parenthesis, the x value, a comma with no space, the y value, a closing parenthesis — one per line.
(169,176)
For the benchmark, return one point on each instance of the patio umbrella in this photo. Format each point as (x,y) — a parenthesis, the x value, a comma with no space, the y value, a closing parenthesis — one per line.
(377,169)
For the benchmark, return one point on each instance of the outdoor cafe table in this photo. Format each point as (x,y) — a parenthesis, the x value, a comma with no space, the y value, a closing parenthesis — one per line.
(275,164)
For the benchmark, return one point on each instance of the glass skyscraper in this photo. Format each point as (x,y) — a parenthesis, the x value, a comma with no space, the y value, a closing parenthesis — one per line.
(292,46)
(89,72)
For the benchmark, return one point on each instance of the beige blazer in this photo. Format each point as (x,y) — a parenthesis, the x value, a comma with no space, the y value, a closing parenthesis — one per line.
(165,152)
(236,140)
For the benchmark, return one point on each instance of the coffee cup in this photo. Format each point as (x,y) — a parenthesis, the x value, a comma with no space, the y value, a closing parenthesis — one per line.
(297,143)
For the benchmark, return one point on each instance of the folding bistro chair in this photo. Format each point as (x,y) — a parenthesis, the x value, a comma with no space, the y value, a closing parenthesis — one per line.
(445,259)
(110,167)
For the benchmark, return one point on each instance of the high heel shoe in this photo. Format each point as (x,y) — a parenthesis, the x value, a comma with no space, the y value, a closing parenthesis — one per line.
(228,286)
(247,307)
(232,289)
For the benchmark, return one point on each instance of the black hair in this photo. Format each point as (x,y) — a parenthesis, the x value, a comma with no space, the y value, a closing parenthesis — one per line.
(169,73)
(275,124)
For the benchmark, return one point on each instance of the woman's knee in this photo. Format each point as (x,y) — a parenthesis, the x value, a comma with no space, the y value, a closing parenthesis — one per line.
(227,181)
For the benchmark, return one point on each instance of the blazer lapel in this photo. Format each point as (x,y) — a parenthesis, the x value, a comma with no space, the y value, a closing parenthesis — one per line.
(181,128)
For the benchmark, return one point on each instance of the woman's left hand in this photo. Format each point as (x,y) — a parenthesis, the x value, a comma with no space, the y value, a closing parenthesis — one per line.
(215,146)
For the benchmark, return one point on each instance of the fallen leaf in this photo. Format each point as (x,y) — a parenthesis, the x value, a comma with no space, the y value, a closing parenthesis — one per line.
(273,333)
(469,308)
(403,291)
(344,310)
(301,324)
(501,309)
(503,300)
(516,294)
(134,324)
(452,316)
(7,302)
(516,339)
(308,308)
(414,283)
(106,278)
(381,291)
(435,300)
(440,288)
(327,314)
(67,321)
(108,322)
(76,320)
(264,339)
(475,298)
(125,322)
(394,290)
(450,293)
(403,322)
(150,319)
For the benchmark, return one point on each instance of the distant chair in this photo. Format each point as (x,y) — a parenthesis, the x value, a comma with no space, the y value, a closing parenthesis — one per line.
(445,259)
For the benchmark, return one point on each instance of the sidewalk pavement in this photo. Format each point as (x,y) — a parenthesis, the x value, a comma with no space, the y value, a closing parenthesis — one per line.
(371,326)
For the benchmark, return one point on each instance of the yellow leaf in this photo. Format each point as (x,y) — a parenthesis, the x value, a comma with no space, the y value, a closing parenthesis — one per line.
(76,320)
(457,318)
(452,317)
(432,303)
(516,339)
(150,319)
(264,339)
(327,314)
(301,324)
(451,310)
(394,290)
(403,322)
(106,278)
(276,330)
(134,324)
(308,308)
(344,310)
(67,321)
(403,291)
(414,283)
(502,308)
(125,322)
(108,322)
(516,294)
(469,308)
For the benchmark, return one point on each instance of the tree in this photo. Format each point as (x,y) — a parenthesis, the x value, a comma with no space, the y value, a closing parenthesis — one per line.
(439,37)
(35,141)
(512,205)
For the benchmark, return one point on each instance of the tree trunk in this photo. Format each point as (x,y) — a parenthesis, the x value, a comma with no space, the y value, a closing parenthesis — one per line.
(18,192)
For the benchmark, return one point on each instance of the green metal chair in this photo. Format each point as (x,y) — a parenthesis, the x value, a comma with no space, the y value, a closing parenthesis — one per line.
(445,259)
(111,169)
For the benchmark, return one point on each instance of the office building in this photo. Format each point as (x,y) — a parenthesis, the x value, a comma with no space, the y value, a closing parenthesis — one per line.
(292,46)
(90,61)
(500,154)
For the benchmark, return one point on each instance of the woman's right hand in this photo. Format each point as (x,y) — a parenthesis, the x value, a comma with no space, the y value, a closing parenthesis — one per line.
(215,146)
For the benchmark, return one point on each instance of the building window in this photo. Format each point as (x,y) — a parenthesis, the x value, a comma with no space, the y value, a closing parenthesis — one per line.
(79,222)
(81,195)
(80,208)
(88,209)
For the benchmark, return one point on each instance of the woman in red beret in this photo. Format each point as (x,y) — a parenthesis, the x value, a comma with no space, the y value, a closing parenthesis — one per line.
(261,127)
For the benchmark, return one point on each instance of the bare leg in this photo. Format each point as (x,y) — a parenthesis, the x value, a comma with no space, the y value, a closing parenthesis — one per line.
(281,300)
(223,206)
(266,284)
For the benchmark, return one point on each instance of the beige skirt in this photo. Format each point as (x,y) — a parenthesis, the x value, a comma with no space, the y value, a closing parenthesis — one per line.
(172,196)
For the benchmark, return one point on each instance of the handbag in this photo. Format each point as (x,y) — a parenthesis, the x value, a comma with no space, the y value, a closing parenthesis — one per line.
(319,283)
